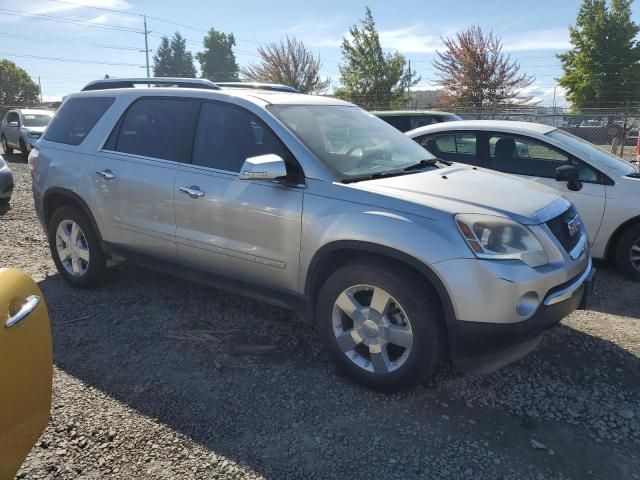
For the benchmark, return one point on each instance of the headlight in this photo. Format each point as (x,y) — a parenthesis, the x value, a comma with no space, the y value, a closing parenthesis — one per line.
(498,238)
(33,135)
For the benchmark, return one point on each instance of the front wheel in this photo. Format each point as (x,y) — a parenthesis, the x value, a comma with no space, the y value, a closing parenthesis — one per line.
(381,325)
(628,252)
(23,149)
(75,248)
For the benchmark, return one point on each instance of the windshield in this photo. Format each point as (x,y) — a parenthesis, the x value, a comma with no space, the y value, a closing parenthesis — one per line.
(36,119)
(349,140)
(589,150)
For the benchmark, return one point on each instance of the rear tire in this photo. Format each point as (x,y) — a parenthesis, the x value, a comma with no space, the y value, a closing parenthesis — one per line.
(23,149)
(409,328)
(75,248)
(627,252)
(5,147)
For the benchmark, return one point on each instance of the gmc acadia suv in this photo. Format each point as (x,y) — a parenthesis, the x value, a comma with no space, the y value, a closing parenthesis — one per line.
(399,260)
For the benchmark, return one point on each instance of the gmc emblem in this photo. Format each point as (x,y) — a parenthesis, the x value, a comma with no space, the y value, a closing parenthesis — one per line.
(573,225)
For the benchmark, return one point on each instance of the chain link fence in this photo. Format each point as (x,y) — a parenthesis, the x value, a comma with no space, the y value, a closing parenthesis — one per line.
(613,129)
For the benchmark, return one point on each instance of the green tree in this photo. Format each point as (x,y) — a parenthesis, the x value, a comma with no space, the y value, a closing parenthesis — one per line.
(370,77)
(602,69)
(172,59)
(217,61)
(16,86)
(288,62)
(162,59)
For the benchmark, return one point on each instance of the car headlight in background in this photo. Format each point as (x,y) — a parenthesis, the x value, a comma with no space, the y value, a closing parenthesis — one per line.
(499,238)
(33,135)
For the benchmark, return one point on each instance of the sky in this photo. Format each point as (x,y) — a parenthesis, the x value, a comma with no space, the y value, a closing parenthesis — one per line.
(67,43)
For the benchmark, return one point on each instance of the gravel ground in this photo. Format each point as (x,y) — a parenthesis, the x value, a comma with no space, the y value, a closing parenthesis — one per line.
(159,378)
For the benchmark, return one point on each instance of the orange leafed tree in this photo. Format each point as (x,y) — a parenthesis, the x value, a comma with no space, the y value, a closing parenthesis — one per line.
(474,72)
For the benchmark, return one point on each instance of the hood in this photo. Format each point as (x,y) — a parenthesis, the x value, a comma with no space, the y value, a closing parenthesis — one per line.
(464,189)
(39,130)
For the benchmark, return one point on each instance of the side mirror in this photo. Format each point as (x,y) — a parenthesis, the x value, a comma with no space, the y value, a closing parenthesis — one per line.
(263,167)
(569,174)
(14,124)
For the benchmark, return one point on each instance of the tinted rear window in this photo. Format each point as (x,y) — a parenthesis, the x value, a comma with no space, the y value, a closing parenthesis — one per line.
(76,118)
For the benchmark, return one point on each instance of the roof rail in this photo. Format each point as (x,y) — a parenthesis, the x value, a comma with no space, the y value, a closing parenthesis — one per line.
(110,83)
(276,87)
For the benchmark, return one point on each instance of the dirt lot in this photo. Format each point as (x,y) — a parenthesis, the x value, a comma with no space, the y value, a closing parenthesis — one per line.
(159,378)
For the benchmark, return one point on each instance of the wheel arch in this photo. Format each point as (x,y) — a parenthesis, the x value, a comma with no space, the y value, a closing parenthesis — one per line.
(613,239)
(331,256)
(56,197)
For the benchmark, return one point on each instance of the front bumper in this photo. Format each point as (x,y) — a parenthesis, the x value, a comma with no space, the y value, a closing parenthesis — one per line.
(484,346)
(6,183)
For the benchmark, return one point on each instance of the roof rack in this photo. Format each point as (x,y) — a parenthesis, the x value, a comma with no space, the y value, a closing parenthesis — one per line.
(276,87)
(110,83)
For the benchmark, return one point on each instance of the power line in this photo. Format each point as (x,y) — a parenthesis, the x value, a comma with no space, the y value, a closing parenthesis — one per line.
(52,18)
(56,40)
(60,59)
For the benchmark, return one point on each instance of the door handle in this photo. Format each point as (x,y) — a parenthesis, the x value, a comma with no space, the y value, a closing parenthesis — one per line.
(106,174)
(193,191)
(27,308)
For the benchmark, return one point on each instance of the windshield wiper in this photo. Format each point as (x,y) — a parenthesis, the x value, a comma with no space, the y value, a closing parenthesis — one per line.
(372,176)
(426,163)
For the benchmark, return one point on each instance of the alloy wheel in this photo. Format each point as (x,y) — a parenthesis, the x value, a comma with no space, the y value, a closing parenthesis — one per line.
(372,329)
(634,255)
(72,248)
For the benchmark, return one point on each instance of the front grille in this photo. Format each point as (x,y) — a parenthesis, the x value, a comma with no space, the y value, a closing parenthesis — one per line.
(559,228)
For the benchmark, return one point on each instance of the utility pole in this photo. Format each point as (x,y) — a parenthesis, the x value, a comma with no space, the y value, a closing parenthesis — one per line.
(554,104)
(40,88)
(146,44)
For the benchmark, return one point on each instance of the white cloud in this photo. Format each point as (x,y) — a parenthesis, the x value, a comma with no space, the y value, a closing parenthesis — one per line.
(51,7)
(544,94)
(545,39)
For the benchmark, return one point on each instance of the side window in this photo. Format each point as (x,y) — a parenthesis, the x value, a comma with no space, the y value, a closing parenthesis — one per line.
(423,120)
(152,127)
(12,117)
(459,147)
(524,156)
(227,135)
(75,119)
(401,123)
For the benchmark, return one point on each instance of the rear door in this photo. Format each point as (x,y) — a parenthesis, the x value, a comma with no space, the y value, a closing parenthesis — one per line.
(135,173)
(248,230)
(536,160)
(25,368)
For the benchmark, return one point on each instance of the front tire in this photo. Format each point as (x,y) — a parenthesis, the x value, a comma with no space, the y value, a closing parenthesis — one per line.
(75,248)
(5,147)
(628,252)
(381,324)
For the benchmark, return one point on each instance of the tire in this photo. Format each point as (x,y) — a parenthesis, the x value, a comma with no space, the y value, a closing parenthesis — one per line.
(86,266)
(627,253)
(411,300)
(6,148)
(23,150)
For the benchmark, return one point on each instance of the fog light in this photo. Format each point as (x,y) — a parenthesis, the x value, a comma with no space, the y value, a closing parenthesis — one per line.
(527,304)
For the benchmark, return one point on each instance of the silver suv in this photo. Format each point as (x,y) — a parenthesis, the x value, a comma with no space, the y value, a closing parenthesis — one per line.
(399,260)
(22,128)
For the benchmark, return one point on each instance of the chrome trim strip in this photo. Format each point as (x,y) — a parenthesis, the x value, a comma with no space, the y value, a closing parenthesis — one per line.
(553,210)
(568,291)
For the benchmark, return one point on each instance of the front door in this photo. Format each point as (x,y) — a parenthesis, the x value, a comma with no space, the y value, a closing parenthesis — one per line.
(249,230)
(135,173)
(25,368)
(537,161)
(12,132)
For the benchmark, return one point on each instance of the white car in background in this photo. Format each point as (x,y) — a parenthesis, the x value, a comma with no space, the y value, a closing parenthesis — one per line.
(604,187)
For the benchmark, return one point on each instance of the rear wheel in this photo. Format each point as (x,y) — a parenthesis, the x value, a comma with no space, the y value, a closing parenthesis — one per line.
(5,147)
(75,248)
(23,149)
(380,324)
(628,252)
